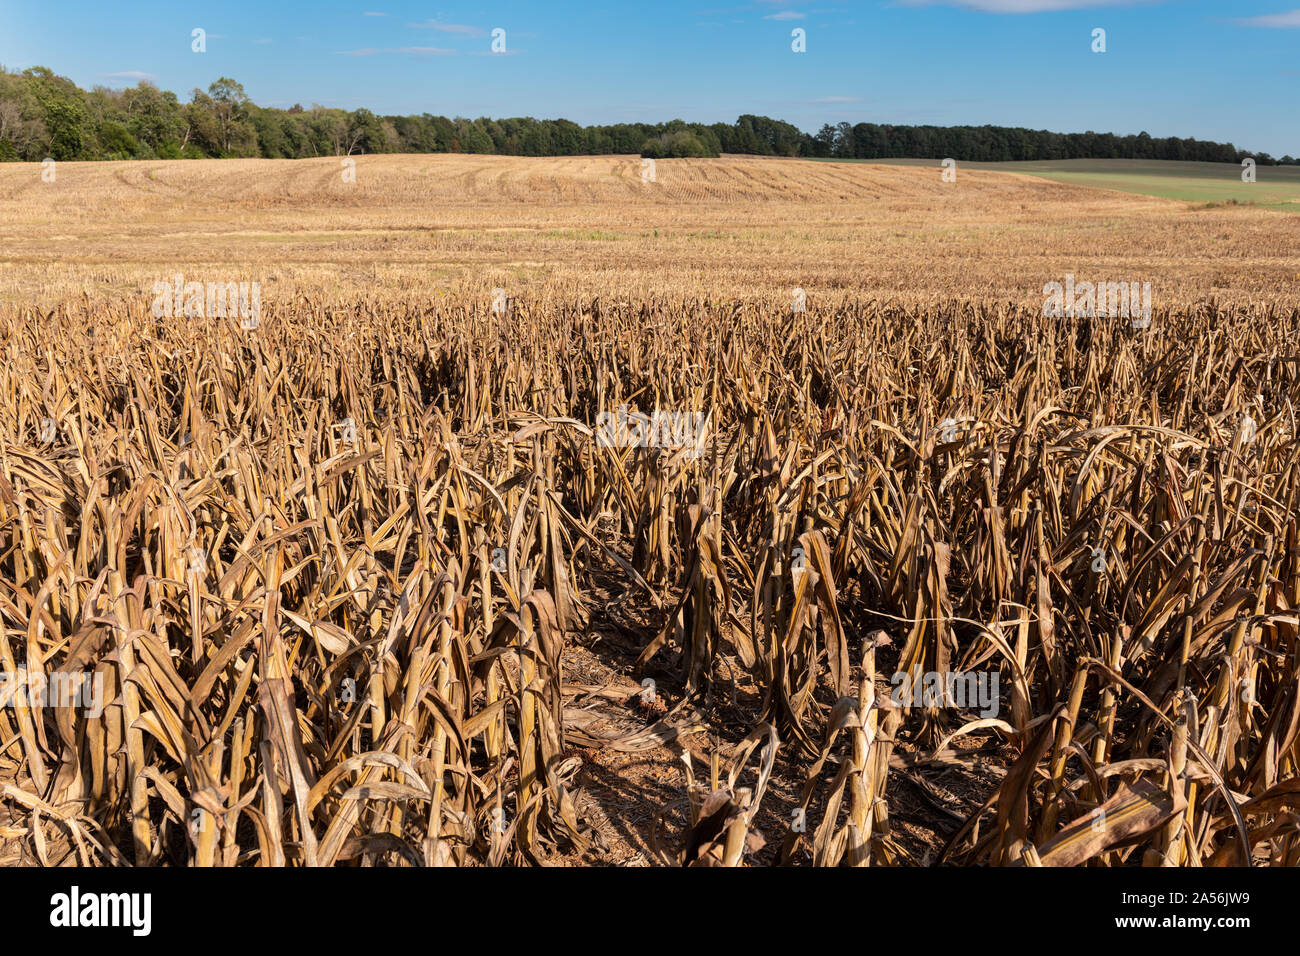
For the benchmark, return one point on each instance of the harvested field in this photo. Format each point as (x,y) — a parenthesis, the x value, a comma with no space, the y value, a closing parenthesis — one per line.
(422,225)
(363,586)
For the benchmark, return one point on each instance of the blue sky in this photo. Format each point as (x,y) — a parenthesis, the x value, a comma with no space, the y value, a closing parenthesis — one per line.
(1227,70)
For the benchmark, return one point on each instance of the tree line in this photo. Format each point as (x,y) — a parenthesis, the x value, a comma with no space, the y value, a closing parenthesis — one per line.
(43,115)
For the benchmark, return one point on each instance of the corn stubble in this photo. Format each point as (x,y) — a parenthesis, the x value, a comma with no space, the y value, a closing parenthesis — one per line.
(311,657)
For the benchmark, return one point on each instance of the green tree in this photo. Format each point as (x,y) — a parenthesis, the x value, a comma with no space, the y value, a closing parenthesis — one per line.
(228,106)
(367,134)
(68,129)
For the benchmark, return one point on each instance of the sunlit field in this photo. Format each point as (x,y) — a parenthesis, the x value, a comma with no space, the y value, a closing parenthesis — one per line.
(362,574)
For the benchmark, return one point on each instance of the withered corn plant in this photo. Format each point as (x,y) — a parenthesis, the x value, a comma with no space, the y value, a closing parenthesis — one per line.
(327,574)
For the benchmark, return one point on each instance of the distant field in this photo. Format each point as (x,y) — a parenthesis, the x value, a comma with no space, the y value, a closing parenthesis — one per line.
(1275,186)
(732,227)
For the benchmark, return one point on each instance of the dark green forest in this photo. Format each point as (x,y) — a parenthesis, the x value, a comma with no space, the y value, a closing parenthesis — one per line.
(45,115)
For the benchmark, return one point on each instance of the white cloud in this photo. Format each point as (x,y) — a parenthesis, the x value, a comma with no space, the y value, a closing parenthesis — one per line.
(411,50)
(1024,6)
(459,28)
(129,75)
(374,13)
(786,15)
(1283,21)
